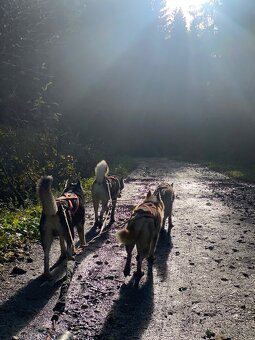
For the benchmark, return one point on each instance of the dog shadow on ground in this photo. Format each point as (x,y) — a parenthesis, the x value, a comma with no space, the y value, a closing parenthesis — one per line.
(26,303)
(163,250)
(130,315)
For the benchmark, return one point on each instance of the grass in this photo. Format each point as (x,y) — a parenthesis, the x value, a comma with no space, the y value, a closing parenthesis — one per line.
(17,227)
(238,171)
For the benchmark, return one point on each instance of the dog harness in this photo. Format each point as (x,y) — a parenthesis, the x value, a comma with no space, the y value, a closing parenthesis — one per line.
(70,201)
(112,185)
(146,209)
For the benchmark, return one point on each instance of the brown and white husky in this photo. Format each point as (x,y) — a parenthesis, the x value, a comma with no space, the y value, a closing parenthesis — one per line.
(105,188)
(143,231)
(60,216)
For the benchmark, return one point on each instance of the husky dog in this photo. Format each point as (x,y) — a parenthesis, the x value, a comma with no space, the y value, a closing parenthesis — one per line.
(143,231)
(167,194)
(105,188)
(59,216)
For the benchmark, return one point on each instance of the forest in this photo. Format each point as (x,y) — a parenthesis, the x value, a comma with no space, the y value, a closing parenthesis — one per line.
(164,92)
(89,79)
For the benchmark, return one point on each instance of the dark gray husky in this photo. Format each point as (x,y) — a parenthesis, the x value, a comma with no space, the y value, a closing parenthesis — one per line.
(60,216)
(167,195)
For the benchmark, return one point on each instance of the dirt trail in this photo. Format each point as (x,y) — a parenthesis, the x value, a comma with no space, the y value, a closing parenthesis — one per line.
(202,285)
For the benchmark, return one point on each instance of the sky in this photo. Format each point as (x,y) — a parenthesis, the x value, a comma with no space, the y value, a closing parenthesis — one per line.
(190,8)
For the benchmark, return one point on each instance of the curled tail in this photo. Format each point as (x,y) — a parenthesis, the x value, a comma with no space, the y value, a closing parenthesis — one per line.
(127,235)
(49,206)
(101,171)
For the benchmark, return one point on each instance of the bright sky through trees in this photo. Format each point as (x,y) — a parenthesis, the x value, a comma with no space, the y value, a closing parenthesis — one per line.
(189,8)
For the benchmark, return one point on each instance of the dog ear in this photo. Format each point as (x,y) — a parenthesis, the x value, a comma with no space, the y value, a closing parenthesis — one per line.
(78,184)
(148,194)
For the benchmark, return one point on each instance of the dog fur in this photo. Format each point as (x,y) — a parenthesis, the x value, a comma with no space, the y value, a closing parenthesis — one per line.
(104,188)
(143,231)
(167,194)
(60,216)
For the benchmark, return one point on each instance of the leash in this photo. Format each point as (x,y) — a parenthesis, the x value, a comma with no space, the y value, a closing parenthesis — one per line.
(107,209)
(68,227)
(119,200)
(109,191)
(109,204)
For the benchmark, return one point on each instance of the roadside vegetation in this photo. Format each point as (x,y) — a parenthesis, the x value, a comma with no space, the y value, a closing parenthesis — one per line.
(17,228)
(243,172)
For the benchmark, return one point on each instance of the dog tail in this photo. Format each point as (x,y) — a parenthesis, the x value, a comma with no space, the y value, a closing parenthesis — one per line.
(101,171)
(127,235)
(49,206)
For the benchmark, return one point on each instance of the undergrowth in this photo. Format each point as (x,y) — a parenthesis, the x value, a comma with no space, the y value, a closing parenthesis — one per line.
(238,171)
(17,227)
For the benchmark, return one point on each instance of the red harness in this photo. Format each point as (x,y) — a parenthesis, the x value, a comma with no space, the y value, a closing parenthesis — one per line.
(70,201)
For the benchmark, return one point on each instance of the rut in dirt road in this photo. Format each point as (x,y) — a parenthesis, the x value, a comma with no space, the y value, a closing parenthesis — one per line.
(201,285)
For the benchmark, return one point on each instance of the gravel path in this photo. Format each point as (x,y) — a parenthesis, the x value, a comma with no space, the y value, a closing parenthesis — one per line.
(202,284)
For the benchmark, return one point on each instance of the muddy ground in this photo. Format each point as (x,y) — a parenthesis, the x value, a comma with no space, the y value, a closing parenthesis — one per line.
(202,284)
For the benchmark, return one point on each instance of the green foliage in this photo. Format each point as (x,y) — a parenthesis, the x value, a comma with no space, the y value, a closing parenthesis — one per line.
(17,227)
(25,155)
(123,166)
(238,171)
(87,185)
